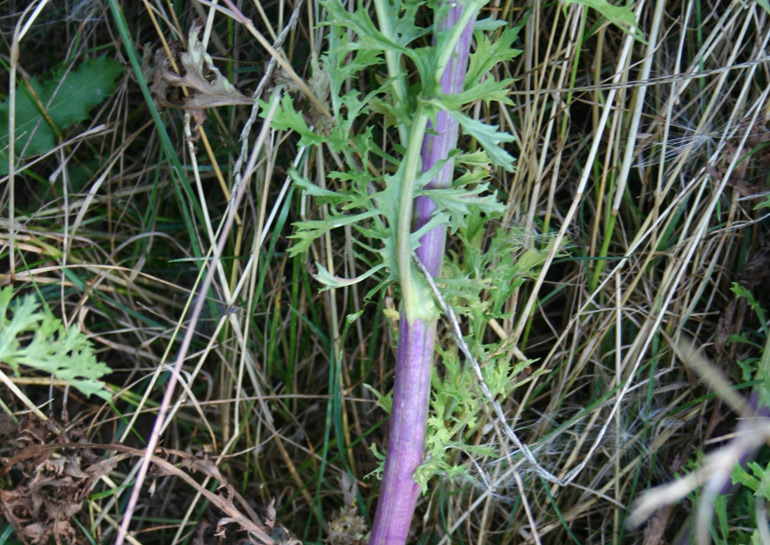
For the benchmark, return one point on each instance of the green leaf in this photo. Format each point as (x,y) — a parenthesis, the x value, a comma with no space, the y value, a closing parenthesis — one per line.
(740,291)
(286,117)
(457,202)
(308,231)
(66,354)
(332,281)
(488,90)
(488,54)
(488,137)
(65,99)
(384,402)
(368,35)
(323,195)
(740,475)
(620,16)
(488,24)
(763,484)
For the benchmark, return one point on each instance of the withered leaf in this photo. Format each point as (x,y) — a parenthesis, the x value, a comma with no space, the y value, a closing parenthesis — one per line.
(208,87)
(270,515)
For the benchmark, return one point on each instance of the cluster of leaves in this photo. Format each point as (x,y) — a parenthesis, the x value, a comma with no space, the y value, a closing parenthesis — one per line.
(37,339)
(43,110)
(365,197)
(457,407)
(474,288)
(738,512)
(755,477)
(472,281)
(368,198)
(751,367)
(472,285)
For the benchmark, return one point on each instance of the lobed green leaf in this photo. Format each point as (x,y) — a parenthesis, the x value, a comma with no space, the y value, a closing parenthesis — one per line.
(66,354)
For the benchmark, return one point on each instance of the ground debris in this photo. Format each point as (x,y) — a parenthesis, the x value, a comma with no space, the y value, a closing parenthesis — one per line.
(49,483)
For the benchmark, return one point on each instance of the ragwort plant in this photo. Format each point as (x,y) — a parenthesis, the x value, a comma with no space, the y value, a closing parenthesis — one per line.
(403,209)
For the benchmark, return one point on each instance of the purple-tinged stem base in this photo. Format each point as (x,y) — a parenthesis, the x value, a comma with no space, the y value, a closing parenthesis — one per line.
(406,442)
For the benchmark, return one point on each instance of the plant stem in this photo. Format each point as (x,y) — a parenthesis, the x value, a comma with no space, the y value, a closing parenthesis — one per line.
(406,443)
(410,294)
(414,357)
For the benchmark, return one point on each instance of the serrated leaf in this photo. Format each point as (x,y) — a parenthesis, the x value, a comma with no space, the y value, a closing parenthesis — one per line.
(308,231)
(740,475)
(620,16)
(67,354)
(476,159)
(343,66)
(286,117)
(763,484)
(65,98)
(368,35)
(488,54)
(458,201)
(488,137)
(323,195)
(488,90)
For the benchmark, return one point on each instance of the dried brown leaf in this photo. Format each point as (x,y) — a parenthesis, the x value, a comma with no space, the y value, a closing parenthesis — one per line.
(207,87)
(270,515)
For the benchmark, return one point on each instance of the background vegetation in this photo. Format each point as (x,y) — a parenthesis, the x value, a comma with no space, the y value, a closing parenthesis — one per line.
(642,158)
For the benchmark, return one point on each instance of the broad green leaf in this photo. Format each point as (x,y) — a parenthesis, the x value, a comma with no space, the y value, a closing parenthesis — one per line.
(65,98)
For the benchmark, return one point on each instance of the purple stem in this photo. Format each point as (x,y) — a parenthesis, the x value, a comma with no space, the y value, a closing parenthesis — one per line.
(440,140)
(414,357)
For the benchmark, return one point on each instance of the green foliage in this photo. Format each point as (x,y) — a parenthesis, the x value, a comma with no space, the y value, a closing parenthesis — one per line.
(753,367)
(620,16)
(43,111)
(757,481)
(496,267)
(458,407)
(37,339)
(488,54)
(370,202)
(740,509)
